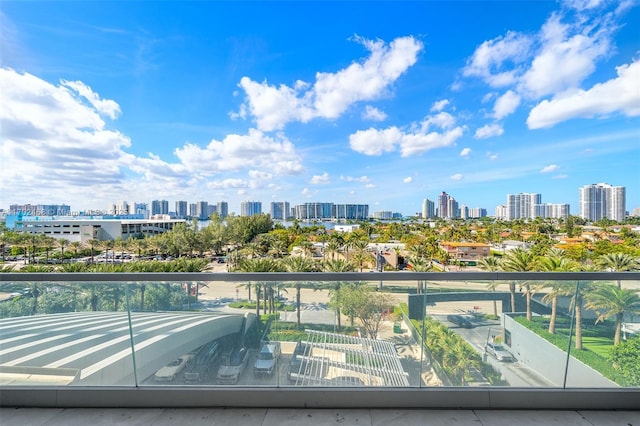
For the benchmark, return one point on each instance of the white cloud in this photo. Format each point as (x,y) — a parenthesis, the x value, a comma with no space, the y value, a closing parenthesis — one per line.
(486,98)
(488,131)
(370,186)
(457,176)
(505,105)
(227,183)
(105,106)
(550,168)
(362,179)
(254,150)
(306,192)
(408,179)
(439,105)
(373,114)
(565,59)
(320,179)
(465,152)
(375,142)
(58,133)
(491,58)
(492,156)
(418,141)
(332,93)
(619,94)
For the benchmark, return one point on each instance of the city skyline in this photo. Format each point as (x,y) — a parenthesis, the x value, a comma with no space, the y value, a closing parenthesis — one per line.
(388,105)
(596,201)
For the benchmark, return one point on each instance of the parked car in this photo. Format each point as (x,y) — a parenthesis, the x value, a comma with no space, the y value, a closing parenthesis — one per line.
(232,366)
(499,352)
(460,320)
(171,370)
(295,365)
(203,363)
(267,359)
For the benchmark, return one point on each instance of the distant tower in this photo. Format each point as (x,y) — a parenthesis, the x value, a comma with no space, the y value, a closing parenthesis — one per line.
(250,208)
(602,200)
(428,209)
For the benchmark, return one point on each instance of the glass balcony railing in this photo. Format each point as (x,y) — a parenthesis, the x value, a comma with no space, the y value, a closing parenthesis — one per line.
(314,331)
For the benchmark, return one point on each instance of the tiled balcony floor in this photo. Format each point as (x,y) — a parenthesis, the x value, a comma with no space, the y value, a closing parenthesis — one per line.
(303,417)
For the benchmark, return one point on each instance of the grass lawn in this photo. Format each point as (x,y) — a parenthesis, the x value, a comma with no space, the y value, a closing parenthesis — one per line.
(600,345)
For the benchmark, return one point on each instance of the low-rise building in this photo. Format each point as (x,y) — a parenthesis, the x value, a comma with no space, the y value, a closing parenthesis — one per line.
(465,251)
(83,229)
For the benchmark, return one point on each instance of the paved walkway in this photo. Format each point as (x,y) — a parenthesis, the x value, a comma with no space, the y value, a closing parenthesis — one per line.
(303,417)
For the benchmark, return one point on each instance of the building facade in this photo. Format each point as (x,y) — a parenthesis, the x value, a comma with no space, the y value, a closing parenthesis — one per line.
(250,208)
(599,201)
(279,210)
(428,209)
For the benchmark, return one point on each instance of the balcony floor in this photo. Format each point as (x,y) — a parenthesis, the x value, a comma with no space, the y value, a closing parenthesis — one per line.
(301,417)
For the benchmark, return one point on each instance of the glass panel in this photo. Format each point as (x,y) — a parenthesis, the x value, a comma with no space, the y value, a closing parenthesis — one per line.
(401,333)
(605,351)
(64,334)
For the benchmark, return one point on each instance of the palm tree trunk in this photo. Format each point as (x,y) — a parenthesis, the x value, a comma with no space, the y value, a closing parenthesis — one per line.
(616,337)
(554,312)
(578,323)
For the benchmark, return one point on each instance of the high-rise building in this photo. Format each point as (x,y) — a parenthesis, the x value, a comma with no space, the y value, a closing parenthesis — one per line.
(523,206)
(428,209)
(121,208)
(350,211)
(141,209)
(279,210)
(599,201)
(193,209)
(477,212)
(202,210)
(159,207)
(181,209)
(447,206)
(250,208)
(223,209)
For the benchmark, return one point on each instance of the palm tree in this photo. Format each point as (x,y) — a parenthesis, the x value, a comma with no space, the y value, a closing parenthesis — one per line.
(338,265)
(519,260)
(298,264)
(75,246)
(491,264)
(618,262)
(62,243)
(555,261)
(107,245)
(420,264)
(258,265)
(609,300)
(92,245)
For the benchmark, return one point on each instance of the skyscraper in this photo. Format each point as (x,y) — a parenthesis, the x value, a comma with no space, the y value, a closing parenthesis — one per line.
(181,209)
(223,209)
(428,209)
(250,208)
(447,206)
(279,210)
(523,206)
(598,201)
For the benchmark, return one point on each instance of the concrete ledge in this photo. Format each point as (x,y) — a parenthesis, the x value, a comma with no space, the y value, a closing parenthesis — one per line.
(192,397)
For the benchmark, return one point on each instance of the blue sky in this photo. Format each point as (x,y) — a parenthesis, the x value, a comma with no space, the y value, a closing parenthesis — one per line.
(373,102)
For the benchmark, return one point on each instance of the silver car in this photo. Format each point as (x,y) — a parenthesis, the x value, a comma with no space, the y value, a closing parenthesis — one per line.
(499,352)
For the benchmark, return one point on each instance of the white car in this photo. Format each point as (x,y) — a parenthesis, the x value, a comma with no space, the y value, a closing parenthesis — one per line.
(499,352)
(233,365)
(171,370)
